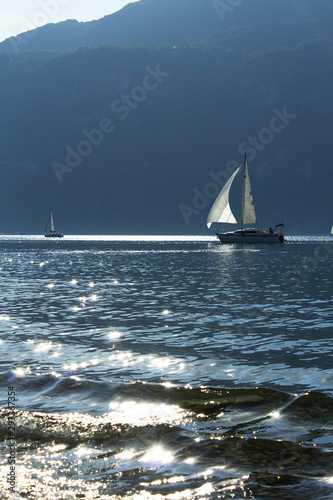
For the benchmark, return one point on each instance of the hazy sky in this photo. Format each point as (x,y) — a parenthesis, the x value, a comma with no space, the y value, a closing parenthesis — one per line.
(18,16)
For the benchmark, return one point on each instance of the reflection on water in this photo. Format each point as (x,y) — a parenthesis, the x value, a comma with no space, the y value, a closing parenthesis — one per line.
(168,367)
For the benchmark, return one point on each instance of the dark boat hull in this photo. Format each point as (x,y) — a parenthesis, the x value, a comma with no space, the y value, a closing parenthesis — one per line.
(250,236)
(54,235)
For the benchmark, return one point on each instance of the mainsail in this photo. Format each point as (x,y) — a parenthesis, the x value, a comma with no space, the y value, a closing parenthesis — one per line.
(248,213)
(221,211)
(52,223)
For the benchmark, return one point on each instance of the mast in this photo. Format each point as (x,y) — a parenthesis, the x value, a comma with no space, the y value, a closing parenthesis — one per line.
(47,223)
(243,196)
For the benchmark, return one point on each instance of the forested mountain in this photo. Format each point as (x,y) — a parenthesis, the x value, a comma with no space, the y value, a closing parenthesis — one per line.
(171,22)
(123,138)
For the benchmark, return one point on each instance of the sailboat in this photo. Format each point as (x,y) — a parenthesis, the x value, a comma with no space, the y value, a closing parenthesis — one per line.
(221,213)
(52,233)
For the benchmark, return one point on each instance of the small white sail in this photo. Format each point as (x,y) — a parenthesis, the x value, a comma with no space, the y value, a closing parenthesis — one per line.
(221,211)
(249,214)
(332,230)
(52,223)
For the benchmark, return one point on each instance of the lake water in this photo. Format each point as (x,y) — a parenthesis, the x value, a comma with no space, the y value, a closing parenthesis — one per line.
(166,368)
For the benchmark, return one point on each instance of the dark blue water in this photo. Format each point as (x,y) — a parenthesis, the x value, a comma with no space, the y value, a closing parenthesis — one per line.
(169,369)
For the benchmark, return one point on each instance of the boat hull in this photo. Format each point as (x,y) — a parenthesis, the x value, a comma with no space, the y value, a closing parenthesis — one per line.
(250,237)
(55,235)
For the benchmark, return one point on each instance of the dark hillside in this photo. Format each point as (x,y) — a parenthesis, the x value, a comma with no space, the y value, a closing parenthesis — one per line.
(133,139)
(171,22)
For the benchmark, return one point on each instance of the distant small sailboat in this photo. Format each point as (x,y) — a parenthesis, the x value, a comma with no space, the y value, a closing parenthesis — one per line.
(52,233)
(221,213)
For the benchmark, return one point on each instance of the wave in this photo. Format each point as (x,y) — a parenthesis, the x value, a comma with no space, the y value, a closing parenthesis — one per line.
(254,443)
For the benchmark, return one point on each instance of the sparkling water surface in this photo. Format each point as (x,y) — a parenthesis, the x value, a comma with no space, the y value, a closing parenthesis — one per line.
(167,367)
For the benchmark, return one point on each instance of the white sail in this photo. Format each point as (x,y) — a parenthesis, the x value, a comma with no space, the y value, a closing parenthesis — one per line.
(249,214)
(52,223)
(221,211)
(332,230)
